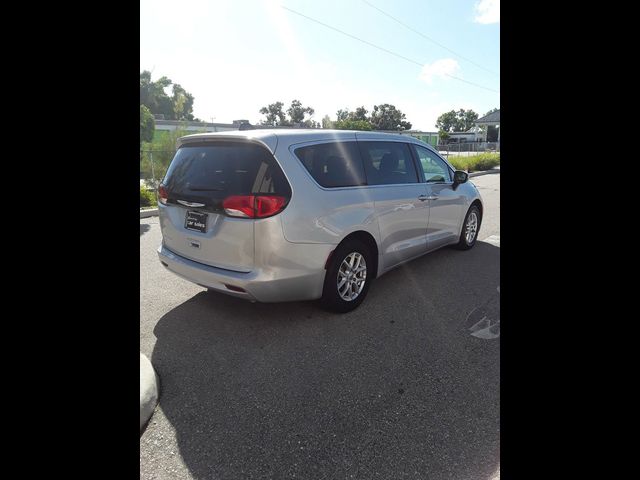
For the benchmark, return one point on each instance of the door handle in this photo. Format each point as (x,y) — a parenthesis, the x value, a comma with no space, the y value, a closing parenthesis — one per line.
(422,198)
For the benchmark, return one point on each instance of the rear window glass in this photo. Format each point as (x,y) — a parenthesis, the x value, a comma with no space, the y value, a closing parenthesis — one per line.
(388,163)
(222,169)
(335,164)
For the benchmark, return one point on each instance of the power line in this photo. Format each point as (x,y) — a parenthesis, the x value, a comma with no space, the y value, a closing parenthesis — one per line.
(429,38)
(383,49)
(471,83)
(353,36)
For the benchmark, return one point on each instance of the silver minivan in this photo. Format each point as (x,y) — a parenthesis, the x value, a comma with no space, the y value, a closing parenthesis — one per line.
(282,215)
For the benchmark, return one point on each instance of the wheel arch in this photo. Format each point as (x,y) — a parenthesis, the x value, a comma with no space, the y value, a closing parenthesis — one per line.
(478,204)
(367,239)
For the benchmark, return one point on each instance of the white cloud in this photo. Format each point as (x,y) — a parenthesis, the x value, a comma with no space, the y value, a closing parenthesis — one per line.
(440,69)
(487,11)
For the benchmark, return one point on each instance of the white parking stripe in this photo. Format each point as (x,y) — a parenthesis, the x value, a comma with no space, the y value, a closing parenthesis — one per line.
(493,239)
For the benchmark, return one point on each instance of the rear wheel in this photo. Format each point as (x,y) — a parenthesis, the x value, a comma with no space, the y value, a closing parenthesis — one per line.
(470,229)
(348,277)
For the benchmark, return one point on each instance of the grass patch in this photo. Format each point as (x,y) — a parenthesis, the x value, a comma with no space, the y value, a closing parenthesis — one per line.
(476,163)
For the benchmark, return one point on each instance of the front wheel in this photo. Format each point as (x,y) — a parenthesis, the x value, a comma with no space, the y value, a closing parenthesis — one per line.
(470,229)
(348,277)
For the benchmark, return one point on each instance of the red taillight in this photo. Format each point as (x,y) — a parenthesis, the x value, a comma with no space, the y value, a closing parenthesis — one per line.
(163,195)
(239,206)
(269,205)
(253,206)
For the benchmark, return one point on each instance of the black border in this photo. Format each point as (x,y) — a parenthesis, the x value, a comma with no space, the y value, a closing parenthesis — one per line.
(71,160)
(74,282)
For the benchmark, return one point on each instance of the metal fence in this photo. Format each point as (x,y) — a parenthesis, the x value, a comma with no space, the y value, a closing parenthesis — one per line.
(468,148)
(153,166)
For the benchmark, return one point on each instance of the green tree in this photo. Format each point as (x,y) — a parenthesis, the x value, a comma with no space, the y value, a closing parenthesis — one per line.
(311,124)
(359,114)
(349,124)
(274,114)
(326,122)
(342,114)
(147,125)
(447,122)
(178,104)
(297,112)
(388,117)
(459,121)
(491,111)
(182,103)
(467,119)
(353,120)
(154,96)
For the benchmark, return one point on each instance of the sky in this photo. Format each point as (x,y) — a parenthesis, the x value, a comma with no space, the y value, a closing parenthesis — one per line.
(236,56)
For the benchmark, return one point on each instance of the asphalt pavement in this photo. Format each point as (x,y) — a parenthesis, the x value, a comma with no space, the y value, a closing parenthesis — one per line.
(405,386)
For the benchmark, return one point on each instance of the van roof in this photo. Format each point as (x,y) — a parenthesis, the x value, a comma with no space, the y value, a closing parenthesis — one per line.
(271,136)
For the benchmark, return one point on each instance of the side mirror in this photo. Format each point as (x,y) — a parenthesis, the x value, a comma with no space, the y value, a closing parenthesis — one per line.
(460,177)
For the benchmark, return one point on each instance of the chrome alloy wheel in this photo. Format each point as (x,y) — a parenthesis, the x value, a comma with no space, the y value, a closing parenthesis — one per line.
(352,276)
(471,227)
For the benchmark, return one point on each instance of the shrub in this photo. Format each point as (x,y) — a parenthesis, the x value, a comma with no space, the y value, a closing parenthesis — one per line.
(476,163)
(147,197)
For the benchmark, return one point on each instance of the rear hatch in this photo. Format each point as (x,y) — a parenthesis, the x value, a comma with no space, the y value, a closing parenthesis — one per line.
(211,195)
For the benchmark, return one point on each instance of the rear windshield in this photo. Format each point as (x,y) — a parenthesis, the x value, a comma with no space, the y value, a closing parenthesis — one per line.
(335,164)
(207,171)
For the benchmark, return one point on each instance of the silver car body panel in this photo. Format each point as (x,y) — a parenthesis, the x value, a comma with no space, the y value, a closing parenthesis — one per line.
(285,258)
(283,271)
(228,242)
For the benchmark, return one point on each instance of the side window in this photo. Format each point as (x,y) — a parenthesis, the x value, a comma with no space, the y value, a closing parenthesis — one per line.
(388,163)
(435,170)
(336,164)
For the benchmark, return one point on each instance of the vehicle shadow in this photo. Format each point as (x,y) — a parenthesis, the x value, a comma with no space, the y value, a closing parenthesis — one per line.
(144,228)
(396,388)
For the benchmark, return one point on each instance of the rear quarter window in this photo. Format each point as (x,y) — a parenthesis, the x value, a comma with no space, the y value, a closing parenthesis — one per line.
(334,164)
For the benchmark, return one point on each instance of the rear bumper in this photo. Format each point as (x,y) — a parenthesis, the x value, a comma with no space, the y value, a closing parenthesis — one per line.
(262,285)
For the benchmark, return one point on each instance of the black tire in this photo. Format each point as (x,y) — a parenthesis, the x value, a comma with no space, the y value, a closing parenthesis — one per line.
(463,244)
(331,299)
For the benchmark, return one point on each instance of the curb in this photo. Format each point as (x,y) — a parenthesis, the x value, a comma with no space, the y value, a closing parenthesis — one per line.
(484,172)
(149,213)
(148,390)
